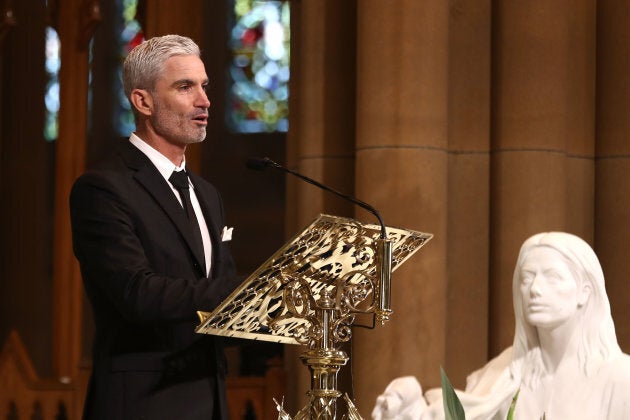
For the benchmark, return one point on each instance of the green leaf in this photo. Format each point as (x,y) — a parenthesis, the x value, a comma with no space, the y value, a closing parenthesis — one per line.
(453,409)
(510,415)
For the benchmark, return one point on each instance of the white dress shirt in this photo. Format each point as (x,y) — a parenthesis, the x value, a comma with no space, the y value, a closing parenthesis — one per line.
(166,168)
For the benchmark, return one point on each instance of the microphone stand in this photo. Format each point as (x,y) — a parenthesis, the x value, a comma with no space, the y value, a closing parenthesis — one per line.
(262,163)
(323,358)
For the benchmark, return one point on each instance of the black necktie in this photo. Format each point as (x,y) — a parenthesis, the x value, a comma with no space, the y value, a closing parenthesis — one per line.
(179,179)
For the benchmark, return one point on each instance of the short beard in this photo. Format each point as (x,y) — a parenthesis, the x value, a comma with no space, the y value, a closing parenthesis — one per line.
(166,124)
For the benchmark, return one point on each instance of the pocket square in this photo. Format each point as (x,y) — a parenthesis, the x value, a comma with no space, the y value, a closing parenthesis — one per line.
(226,235)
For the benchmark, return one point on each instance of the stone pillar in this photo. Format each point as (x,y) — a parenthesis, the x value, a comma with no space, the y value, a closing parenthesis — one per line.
(612,210)
(326,124)
(468,188)
(543,134)
(321,137)
(401,169)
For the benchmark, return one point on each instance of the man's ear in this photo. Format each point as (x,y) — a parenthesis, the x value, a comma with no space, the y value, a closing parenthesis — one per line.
(142,100)
(584,294)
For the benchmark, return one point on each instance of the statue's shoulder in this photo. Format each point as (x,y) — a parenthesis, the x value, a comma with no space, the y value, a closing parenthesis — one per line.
(622,366)
(617,372)
(484,380)
(617,386)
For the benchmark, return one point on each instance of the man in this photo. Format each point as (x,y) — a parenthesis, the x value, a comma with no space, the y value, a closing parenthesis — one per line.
(148,261)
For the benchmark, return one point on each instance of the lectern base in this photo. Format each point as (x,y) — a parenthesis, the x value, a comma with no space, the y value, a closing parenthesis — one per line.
(306,412)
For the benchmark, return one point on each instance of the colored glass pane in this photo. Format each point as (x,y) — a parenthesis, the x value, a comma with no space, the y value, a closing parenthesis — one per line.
(130,36)
(51,97)
(259,70)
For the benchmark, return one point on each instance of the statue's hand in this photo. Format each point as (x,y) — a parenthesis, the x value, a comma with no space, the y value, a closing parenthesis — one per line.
(402,399)
(387,407)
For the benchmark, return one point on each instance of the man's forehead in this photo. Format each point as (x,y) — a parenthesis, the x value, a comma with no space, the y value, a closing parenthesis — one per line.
(184,62)
(184,67)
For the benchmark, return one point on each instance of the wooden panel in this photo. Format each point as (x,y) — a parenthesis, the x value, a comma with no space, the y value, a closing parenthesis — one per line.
(252,397)
(26,185)
(23,395)
(70,161)
(7,18)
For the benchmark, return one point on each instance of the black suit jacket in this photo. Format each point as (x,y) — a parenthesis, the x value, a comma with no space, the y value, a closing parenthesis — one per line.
(143,277)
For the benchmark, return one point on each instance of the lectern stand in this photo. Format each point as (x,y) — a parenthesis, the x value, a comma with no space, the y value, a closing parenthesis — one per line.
(311,291)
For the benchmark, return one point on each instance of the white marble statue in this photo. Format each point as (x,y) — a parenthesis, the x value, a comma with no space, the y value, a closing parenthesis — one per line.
(565,359)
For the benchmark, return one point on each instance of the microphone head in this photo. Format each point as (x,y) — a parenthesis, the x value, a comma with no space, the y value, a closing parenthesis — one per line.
(257,164)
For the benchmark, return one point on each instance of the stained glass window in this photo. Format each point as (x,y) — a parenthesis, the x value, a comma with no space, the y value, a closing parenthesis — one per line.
(51,98)
(259,70)
(130,36)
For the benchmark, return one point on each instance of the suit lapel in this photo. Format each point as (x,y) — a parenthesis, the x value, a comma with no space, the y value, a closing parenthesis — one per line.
(154,183)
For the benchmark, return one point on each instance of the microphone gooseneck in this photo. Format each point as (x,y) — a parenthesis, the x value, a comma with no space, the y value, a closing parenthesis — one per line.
(260,164)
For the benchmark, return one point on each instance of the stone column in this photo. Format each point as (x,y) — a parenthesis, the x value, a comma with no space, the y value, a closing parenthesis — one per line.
(468,220)
(321,137)
(542,136)
(612,210)
(401,169)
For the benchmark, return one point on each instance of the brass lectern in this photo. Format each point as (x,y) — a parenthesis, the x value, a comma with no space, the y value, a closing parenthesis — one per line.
(310,292)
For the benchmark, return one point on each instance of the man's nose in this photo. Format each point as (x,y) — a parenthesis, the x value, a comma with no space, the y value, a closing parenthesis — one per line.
(202,100)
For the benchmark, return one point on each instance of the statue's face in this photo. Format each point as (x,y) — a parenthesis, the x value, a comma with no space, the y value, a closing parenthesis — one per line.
(550,294)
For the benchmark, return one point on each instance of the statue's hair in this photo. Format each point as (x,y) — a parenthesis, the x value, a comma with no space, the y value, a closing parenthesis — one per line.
(597,341)
(145,62)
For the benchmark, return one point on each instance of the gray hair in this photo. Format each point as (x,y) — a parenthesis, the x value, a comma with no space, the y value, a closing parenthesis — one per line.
(145,62)
(598,342)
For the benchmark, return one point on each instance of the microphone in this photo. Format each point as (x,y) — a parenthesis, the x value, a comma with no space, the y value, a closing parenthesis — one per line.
(383,307)
(260,164)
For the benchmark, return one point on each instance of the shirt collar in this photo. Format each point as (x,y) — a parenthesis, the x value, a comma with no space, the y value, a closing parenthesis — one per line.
(161,162)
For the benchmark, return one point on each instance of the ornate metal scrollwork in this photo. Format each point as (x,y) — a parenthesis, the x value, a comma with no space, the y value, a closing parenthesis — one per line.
(310,291)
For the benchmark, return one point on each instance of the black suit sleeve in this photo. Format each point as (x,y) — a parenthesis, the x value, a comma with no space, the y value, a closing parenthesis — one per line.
(119,249)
